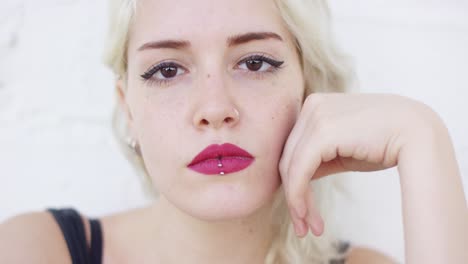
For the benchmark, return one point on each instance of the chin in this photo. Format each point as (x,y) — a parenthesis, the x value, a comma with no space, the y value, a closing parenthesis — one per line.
(225,201)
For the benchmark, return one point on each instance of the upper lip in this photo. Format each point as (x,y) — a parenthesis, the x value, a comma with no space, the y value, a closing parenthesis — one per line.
(218,151)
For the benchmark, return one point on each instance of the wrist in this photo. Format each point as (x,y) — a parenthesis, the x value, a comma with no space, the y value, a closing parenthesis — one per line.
(424,134)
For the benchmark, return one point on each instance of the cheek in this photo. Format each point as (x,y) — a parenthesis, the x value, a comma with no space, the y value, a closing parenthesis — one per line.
(157,114)
(276,112)
(274,124)
(281,108)
(283,118)
(158,128)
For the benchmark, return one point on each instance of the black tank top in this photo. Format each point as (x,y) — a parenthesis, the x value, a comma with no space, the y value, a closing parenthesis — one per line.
(73,230)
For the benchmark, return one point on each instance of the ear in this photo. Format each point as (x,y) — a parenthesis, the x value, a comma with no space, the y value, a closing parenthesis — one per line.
(122,100)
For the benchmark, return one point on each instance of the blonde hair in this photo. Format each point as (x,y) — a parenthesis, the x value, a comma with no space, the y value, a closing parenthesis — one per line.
(325,70)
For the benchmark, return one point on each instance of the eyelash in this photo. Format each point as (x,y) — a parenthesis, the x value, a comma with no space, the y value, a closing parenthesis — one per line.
(147,76)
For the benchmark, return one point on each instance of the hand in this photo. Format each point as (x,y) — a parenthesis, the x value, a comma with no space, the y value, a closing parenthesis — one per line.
(345,132)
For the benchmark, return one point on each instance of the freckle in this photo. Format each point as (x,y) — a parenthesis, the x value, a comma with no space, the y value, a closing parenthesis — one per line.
(208,76)
(250,231)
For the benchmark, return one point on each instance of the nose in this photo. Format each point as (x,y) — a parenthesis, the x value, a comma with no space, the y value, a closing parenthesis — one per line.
(216,117)
(216,107)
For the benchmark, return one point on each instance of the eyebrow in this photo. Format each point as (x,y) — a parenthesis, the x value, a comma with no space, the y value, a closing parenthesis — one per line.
(231,41)
(244,38)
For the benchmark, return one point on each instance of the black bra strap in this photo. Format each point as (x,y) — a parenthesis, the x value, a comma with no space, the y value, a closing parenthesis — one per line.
(96,242)
(72,227)
(73,231)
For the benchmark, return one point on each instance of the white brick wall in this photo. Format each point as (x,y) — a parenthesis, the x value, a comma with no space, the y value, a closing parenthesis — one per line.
(56,100)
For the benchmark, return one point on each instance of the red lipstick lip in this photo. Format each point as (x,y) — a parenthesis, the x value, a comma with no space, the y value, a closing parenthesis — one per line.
(232,158)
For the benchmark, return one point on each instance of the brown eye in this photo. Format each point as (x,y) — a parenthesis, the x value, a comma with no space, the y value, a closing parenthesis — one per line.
(163,72)
(259,64)
(169,72)
(254,65)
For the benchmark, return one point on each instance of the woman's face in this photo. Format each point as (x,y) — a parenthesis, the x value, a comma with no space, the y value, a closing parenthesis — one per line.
(230,74)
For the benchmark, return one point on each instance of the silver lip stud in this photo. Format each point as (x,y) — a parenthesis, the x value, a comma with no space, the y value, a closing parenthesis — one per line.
(222,173)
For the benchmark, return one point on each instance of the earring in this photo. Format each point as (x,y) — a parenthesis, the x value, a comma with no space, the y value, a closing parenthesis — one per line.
(132,143)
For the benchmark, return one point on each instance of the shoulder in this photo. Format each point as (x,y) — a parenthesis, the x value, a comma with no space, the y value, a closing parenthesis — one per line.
(32,238)
(363,255)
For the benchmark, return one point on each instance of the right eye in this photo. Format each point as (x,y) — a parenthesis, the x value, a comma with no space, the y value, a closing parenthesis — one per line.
(163,71)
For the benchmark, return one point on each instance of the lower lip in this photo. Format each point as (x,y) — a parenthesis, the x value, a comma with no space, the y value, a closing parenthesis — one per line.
(229,165)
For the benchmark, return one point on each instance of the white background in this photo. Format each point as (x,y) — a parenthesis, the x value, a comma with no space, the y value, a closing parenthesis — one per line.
(56,98)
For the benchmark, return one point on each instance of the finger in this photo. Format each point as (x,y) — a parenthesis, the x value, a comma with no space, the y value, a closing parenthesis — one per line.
(297,132)
(314,219)
(300,226)
(306,160)
(289,147)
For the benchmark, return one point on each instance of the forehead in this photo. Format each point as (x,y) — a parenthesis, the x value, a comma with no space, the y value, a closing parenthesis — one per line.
(203,20)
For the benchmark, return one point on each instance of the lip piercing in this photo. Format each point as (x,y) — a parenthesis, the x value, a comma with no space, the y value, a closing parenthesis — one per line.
(220,165)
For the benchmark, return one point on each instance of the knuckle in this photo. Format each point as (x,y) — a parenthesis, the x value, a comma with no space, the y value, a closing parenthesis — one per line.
(329,154)
(361,152)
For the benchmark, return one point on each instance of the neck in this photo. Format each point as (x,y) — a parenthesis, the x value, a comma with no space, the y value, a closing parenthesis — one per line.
(186,239)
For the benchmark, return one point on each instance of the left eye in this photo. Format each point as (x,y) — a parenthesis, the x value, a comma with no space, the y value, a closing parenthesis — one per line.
(255,65)
(259,63)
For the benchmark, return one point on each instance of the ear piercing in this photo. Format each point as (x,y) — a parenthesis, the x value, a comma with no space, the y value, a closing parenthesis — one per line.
(131,142)
(133,145)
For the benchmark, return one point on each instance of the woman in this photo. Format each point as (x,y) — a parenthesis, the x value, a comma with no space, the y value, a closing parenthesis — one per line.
(227,105)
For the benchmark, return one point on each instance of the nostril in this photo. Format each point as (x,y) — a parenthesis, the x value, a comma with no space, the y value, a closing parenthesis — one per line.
(204,122)
(229,119)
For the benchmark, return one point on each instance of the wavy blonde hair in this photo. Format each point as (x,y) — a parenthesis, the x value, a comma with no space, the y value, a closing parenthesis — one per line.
(325,70)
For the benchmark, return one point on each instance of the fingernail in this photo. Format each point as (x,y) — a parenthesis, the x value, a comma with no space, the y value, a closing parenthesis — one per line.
(317,226)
